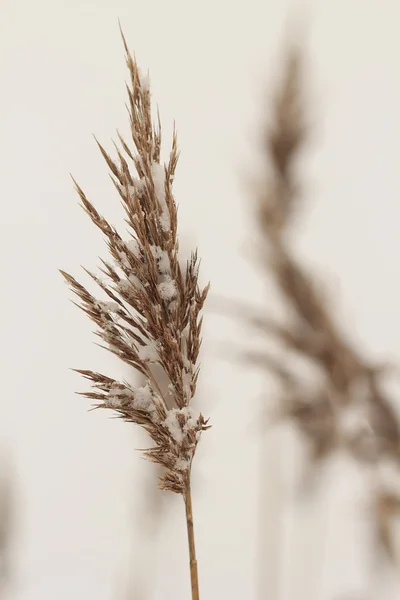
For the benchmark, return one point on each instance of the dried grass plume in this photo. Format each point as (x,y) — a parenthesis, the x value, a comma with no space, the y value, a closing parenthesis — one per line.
(151,314)
(344,405)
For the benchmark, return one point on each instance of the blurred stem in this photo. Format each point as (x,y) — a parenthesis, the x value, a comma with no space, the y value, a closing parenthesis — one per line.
(194,577)
(270,524)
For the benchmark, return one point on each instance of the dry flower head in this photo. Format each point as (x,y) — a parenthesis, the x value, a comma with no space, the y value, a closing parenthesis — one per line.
(345,405)
(152,313)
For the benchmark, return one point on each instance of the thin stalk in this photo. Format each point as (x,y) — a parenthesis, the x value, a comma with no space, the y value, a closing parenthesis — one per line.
(194,577)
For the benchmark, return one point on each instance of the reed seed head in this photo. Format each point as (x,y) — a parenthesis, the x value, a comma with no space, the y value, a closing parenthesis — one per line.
(344,405)
(152,312)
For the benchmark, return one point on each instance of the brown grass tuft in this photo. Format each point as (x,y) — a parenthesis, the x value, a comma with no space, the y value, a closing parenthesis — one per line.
(152,319)
(345,405)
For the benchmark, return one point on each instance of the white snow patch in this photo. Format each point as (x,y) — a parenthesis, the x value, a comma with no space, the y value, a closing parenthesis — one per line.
(173,425)
(158,175)
(172,305)
(137,187)
(192,418)
(149,352)
(162,259)
(124,259)
(144,80)
(165,220)
(107,307)
(167,289)
(143,399)
(133,247)
(181,464)
(113,401)
(116,393)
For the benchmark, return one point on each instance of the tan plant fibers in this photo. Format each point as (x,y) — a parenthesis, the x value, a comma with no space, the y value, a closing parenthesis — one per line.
(345,405)
(151,320)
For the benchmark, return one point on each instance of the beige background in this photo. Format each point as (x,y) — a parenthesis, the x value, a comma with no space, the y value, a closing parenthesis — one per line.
(81,486)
